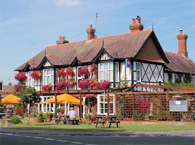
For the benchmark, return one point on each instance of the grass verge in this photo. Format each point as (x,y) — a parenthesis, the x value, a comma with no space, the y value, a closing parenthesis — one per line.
(87,127)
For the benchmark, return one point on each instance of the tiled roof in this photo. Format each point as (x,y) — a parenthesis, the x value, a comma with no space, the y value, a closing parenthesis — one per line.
(178,63)
(118,46)
(8,88)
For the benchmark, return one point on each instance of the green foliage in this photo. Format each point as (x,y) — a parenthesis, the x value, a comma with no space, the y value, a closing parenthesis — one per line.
(15,119)
(40,114)
(29,96)
(88,116)
(47,115)
(58,110)
(188,78)
(188,85)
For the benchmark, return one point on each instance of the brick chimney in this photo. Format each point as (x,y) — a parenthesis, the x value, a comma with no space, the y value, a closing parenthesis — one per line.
(61,40)
(182,43)
(91,32)
(136,27)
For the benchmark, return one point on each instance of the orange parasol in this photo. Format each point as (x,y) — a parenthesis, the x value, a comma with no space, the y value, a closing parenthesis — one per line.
(10,99)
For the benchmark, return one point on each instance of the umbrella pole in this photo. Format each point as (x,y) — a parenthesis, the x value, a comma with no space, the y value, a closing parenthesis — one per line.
(80,107)
(55,105)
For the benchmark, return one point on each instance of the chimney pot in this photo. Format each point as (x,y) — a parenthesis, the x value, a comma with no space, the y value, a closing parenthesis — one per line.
(90,32)
(136,27)
(133,21)
(60,37)
(181,31)
(63,37)
(61,40)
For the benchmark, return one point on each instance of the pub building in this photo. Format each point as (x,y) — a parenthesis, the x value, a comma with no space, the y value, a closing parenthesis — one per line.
(135,57)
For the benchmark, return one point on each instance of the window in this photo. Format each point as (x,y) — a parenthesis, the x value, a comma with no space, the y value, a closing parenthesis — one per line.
(105,71)
(48,76)
(79,77)
(116,72)
(30,79)
(102,104)
(138,71)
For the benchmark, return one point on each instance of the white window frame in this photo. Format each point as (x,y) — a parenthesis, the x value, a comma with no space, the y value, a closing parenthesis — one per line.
(138,71)
(106,74)
(31,81)
(47,106)
(78,77)
(46,76)
(104,102)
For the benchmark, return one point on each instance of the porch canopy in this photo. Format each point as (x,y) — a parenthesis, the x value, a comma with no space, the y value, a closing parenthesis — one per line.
(10,99)
(65,99)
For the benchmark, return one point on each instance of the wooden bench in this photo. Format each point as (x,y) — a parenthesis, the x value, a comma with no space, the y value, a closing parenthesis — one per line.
(99,122)
(73,122)
(113,121)
(57,120)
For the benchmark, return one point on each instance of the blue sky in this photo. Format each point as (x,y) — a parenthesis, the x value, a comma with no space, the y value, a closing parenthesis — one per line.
(28,26)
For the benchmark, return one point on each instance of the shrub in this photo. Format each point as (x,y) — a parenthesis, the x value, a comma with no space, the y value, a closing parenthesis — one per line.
(58,110)
(15,119)
(40,114)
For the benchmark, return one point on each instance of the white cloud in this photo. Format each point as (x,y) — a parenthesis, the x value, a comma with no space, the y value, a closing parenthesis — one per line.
(71,3)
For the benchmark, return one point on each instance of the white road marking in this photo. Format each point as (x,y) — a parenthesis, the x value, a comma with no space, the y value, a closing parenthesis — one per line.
(62,140)
(17,135)
(37,137)
(8,134)
(49,138)
(90,144)
(76,142)
(27,136)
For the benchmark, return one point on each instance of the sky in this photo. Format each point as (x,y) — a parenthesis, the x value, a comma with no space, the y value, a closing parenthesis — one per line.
(29,26)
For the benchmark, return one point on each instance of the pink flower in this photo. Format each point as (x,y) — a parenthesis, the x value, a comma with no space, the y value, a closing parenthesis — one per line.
(36,74)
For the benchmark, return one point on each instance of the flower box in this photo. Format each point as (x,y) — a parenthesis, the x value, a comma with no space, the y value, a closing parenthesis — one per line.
(47,87)
(20,77)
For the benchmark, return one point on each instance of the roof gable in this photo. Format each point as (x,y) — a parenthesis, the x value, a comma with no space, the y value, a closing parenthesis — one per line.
(150,52)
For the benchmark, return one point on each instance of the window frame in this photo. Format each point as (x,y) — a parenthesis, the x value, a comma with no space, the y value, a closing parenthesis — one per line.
(45,74)
(104,102)
(138,71)
(106,71)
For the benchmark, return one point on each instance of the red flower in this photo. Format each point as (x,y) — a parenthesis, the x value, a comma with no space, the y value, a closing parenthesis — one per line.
(61,72)
(47,87)
(21,77)
(36,74)
(70,71)
(18,87)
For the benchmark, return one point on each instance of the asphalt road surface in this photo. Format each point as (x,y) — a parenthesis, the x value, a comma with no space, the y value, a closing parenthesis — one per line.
(20,139)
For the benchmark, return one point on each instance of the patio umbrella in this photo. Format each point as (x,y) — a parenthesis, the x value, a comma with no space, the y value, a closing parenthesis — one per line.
(10,99)
(40,103)
(65,99)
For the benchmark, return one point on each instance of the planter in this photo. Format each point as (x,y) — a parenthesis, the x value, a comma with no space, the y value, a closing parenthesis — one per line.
(48,119)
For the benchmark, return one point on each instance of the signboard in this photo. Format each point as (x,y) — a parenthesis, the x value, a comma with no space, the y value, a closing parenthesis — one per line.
(1,86)
(178,106)
(128,63)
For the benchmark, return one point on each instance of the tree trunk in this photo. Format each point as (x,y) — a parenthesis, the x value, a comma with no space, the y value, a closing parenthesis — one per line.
(28,114)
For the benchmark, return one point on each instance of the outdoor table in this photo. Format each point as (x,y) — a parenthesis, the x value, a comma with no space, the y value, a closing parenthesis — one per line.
(113,119)
(99,121)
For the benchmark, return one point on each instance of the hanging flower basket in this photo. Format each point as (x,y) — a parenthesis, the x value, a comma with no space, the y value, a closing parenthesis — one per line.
(84,71)
(94,69)
(36,75)
(47,87)
(61,73)
(87,83)
(70,83)
(70,71)
(18,87)
(20,77)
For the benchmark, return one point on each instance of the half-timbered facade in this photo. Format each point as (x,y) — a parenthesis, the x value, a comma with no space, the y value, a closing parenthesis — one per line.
(135,58)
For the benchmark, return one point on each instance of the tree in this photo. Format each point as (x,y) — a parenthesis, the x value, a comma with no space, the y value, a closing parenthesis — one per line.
(29,96)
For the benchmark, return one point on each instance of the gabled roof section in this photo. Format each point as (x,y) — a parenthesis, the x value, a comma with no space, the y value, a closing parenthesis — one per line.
(178,63)
(152,51)
(118,46)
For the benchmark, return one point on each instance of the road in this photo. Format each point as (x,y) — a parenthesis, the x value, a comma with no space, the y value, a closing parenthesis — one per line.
(22,139)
